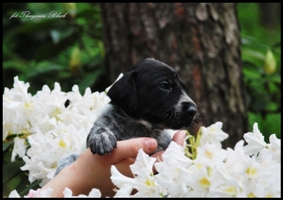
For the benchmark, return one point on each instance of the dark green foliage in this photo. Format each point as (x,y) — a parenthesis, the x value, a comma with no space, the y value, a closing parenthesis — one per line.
(40,50)
(263,86)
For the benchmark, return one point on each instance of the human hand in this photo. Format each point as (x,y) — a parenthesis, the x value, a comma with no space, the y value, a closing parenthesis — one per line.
(93,171)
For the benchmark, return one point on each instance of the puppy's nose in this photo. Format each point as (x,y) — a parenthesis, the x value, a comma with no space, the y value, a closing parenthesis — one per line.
(190,108)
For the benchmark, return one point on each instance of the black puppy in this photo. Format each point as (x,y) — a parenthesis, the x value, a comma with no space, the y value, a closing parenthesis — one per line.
(146,101)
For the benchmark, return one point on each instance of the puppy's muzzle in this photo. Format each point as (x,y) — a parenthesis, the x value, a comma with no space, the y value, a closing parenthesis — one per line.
(181,118)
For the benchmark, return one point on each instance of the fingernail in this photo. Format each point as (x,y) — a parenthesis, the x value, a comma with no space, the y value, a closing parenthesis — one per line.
(150,144)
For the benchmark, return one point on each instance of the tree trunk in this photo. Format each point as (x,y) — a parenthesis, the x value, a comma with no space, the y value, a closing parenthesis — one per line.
(269,14)
(200,40)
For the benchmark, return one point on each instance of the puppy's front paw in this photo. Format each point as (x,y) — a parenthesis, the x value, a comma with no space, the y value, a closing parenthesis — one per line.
(102,141)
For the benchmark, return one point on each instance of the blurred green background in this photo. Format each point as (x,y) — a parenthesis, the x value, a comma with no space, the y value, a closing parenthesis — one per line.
(260,25)
(70,51)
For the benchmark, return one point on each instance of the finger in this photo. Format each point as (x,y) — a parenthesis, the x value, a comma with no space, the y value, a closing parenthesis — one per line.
(129,148)
(179,137)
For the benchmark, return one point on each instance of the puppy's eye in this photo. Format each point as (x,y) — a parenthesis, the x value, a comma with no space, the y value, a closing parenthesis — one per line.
(164,85)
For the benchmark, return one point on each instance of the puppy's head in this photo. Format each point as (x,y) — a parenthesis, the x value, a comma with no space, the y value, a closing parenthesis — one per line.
(152,91)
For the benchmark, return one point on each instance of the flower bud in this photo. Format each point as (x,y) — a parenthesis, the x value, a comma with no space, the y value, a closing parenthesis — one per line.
(71,8)
(75,60)
(269,66)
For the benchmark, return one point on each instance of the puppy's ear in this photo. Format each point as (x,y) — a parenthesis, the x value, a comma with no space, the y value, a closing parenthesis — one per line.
(123,92)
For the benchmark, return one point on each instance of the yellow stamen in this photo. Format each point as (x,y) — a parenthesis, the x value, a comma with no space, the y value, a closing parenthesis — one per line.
(208,154)
(251,171)
(149,182)
(231,190)
(204,182)
(62,144)
(251,195)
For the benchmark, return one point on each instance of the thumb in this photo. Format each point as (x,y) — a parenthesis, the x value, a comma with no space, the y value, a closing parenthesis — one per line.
(129,148)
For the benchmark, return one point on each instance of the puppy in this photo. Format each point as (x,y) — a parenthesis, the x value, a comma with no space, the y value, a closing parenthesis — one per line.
(146,101)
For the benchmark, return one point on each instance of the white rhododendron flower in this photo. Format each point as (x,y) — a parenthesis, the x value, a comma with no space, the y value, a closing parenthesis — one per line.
(94,193)
(255,141)
(213,134)
(51,128)
(214,172)
(19,148)
(51,124)
(144,180)
(18,106)
(33,193)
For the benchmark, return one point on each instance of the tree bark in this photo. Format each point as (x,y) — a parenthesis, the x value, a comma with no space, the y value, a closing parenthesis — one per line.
(269,15)
(200,40)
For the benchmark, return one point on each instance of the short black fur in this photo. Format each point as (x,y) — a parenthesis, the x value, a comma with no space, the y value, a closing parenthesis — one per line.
(146,101)
(149,98)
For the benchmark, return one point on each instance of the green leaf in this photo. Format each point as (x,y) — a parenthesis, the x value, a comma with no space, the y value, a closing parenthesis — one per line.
(274,88)
(267,126)
(93,63)
(89,80)
(57,34)
(49,49)
(39,71)
(249,53)
(12,136)
(23,183)
(33,185)
(6,145)
(251,73)
(89,12)
(10,170)
(252,42)
(7,157)
(36,26)
(17,65)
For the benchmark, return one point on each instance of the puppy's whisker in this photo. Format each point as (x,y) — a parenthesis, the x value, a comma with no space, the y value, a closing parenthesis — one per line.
(178,119)
(167,115)
(172,116)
